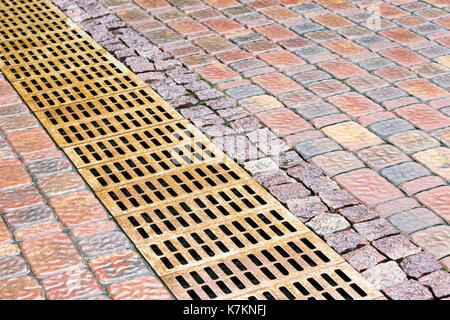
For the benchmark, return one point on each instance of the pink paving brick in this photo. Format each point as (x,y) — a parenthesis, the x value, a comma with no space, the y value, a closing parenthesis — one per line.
(276,83)
(369,187)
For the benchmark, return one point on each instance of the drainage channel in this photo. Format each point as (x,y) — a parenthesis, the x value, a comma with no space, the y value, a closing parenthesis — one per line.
(205,226)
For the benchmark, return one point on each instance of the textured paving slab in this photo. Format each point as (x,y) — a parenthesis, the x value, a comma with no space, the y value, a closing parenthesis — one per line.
(119,165)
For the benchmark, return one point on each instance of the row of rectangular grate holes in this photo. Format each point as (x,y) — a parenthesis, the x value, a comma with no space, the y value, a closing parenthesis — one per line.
(261,266)
(42,40)
(144,165)
(165,188)
(296,290)
(25,6)
(205,208)
(89,90)
(78,49)
(127,121)
(29,19)
(150,228)
(22,3)
(104,106)
(91,65)
(133,143)
(82,76)
(39,13)
(227,238)
(34,29)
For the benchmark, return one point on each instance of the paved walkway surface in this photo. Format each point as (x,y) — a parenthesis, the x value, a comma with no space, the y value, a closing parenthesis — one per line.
(338,108)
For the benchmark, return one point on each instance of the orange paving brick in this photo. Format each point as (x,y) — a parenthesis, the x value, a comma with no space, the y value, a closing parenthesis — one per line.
(216,73)
(51,254)
(224,26)
(424,117)
(73,284)
(19,198)
(276,83)
(333,21)
(403,56)
(36,230)
(280,14)
(187,26)
(140,288)
(422,89)
(354,104)
(344,47)
(13,174)
(351,135)
(342,69)
(402,36)
(20,288)
(30,141)
(276,32)
(281,59)
(78,208)
(283,121)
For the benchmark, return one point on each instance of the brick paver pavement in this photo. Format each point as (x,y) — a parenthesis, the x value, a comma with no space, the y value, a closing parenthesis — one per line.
(56,239)
(290,89)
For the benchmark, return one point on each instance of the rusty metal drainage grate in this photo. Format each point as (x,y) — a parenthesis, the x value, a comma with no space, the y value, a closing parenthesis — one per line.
(206,227)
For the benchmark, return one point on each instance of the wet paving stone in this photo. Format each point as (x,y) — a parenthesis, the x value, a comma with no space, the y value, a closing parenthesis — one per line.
(20,288)
(286,192)
(60,183)
(73,284)
(437,160)
(140,288)
(437,200)
(413,141)
(388,72)
(118,266)
(389,127)
(306,208)
(351,135)
(368,187)
(12,266)
(51,254)
(77,208)
(19,198)
(47,167)
(13,174)
(103,243)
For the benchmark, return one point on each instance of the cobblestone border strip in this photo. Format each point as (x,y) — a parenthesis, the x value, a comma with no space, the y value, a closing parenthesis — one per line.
(181,86)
